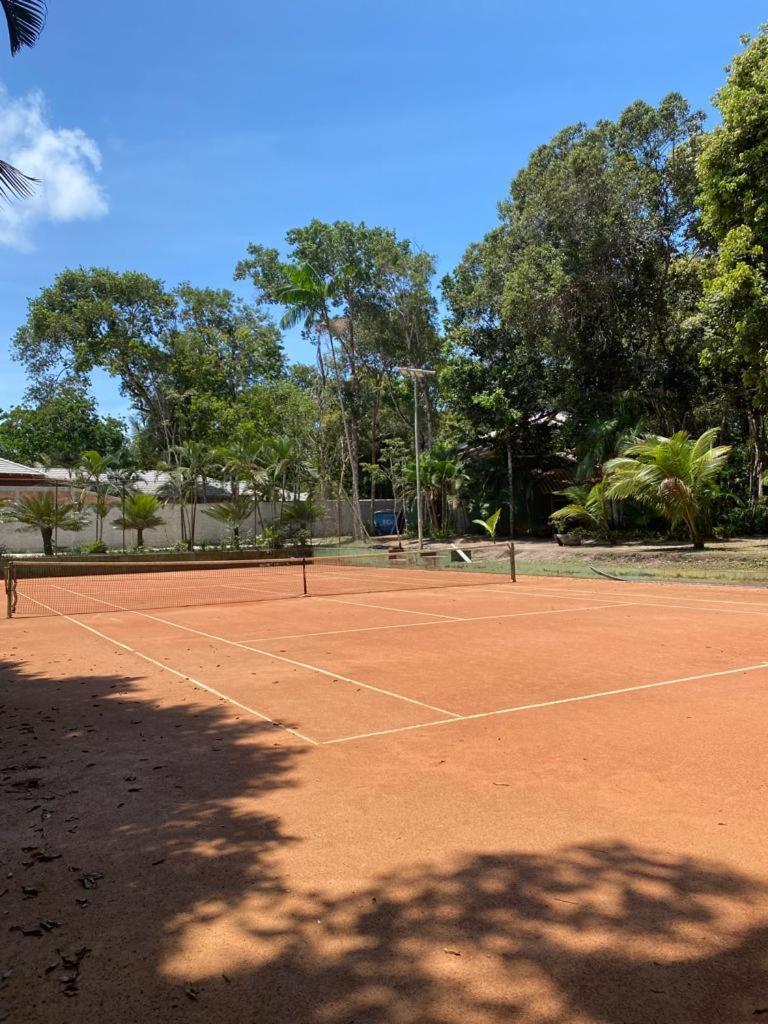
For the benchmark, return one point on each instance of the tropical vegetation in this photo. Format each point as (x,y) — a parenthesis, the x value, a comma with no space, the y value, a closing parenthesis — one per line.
(585,348)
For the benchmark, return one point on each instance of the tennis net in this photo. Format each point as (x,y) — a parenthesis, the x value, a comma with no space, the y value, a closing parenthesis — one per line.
(38,587)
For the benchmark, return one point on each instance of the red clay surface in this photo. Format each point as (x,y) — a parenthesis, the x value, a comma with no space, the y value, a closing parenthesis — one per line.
(538,803)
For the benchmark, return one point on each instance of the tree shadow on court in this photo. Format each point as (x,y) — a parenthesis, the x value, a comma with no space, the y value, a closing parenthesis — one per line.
(599,932)
(144,828)
(126,819)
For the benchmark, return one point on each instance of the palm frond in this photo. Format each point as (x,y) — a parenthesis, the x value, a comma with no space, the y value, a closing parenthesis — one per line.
(26,20)
(14,184)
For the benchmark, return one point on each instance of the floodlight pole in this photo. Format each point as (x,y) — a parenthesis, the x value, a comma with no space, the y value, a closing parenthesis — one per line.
(416,374)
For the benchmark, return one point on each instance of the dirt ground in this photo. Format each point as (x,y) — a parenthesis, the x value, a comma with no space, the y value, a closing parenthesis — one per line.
(169,855)
(742,559)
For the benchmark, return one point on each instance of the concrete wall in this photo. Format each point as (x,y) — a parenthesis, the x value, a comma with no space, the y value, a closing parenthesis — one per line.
(336,521)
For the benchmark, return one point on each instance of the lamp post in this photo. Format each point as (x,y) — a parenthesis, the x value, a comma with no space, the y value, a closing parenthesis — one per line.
(416,374)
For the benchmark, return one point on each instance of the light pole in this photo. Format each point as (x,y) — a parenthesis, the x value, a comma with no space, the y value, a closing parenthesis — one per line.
(416,374)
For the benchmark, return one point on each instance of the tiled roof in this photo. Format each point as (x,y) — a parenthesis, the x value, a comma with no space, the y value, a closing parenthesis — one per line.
(8,468)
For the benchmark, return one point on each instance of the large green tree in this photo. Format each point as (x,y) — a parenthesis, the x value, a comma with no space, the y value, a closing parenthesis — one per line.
(58,429)
(602,262)
(185,359)
(362,296)
(733,177)
(497,378)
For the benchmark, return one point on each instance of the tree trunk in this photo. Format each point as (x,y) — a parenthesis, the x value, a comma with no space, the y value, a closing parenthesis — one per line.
(139,536)
(757,454)
(47,534)
(511,487)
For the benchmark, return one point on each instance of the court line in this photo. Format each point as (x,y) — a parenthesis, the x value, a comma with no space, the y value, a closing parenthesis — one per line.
(649,601)
(573,584)
(384,607)
(549,703)
(300,664)
(184,676)
(440,622)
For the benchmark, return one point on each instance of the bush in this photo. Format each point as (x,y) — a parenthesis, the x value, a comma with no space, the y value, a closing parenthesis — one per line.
(97,547)
(743,520)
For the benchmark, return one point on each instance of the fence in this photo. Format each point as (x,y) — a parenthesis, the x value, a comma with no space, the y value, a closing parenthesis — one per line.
(337,520)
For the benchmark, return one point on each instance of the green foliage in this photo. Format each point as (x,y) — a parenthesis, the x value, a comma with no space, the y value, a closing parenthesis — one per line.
(142,512)
(44,513)
(675,476)
(588,508)
(186,359)
(231,514)
(490,524)
(58,428)
(733,180)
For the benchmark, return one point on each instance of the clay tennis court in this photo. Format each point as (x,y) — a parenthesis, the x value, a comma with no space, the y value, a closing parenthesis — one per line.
(447,801)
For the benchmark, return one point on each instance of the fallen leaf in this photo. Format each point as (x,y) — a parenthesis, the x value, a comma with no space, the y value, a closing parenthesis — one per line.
(453,952)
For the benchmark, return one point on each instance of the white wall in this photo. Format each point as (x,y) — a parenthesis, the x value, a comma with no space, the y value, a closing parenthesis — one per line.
(16,540)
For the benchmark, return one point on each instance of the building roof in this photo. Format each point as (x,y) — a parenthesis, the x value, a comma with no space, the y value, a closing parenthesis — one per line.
(8,468)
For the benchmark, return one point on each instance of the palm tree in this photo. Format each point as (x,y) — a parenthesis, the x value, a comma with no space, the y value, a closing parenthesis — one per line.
(25,20)
(194,461)
(589,508)
(243,464)
(442,478)
(231,514)
(122,476)
(45,514)
(672,475)
(92,475)
(309,299)
(142,512)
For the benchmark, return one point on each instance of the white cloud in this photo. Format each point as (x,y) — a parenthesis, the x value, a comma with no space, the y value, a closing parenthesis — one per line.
(65,160)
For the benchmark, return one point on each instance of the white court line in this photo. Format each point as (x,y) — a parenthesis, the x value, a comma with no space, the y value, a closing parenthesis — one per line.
(384,607)
(574,583)
(441,622)
(549,703)
(646,601)
(183,675)
(300,664)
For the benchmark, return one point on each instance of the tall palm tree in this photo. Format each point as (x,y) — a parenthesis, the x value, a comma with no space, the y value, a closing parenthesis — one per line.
(122,476)
(45,514)
(25,20)
(142,512)
(589,508)
(92,475)
(243,463)
(672,475)
(309,299)
(195,462)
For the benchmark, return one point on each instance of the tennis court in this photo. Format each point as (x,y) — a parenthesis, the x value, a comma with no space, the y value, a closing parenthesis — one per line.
(576,742)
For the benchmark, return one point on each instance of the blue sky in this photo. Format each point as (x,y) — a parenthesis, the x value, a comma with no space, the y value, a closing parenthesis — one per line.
(169,153)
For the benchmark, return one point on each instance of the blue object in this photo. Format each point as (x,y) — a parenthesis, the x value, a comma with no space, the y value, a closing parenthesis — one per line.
(385,523)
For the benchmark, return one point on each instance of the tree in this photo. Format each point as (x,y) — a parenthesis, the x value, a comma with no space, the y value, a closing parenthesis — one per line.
(92,475)
(142,512)
(674,476)
(25,20)
(733,179)
(186,359)
(193,463)
(231,514)
(589,508)
(362,296)
(498,377)
(45,514)
(598,262)
(58,429)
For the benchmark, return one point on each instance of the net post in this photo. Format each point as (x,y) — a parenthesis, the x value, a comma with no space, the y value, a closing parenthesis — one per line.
(10,588)
(304,574)
(512,566)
